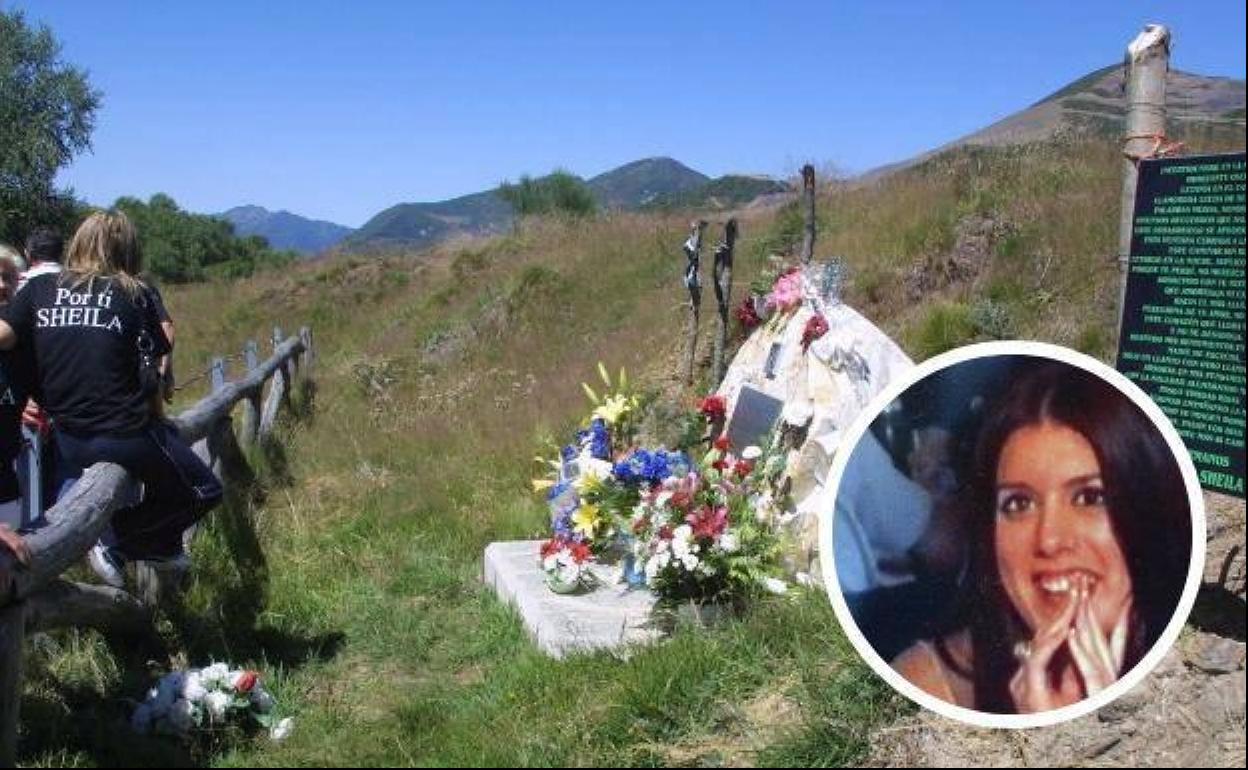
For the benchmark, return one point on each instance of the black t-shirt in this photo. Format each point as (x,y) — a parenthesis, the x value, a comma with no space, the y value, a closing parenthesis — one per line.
(85,343)
(158,303)
(12,401)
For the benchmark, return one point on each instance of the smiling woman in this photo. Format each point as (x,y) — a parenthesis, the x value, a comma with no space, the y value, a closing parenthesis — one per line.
(1080,535)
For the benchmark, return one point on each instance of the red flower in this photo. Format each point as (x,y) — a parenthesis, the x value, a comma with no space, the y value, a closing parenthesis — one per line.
(746,315)
(816,327)
(551,546)
(665,532)
(713,407)
(641,525)
(246,681)
(722,443)
(743,468)
(709,522)
(581,553)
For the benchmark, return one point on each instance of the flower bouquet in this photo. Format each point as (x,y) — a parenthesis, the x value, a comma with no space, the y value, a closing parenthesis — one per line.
(582,532)
(706,535)
(215,697)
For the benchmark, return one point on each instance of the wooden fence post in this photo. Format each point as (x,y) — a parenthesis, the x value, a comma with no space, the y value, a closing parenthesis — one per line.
(279,392)
(251,402)
(693,282)
(723,296)
(1147,62)
(808,208)
(12,634)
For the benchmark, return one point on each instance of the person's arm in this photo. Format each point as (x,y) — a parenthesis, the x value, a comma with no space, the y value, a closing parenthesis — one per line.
(8,337)
(14,320)
(15,543)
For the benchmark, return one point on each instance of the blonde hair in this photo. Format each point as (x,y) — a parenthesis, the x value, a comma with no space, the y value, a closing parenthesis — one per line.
(105,245)
(10,254)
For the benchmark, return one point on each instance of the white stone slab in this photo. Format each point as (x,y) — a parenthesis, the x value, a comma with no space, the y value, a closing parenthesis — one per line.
(610,617)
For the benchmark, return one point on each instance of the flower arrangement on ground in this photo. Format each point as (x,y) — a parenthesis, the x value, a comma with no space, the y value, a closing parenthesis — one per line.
(204,699)
(691,531)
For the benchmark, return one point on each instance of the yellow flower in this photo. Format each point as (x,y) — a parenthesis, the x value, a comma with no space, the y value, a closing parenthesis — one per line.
(613,408)
(587,484)
(586,519)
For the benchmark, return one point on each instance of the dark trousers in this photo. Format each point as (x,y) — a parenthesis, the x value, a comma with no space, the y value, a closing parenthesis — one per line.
(178,489)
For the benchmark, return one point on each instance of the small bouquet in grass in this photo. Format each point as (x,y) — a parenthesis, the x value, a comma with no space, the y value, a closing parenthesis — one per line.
(204,699)
(581,530)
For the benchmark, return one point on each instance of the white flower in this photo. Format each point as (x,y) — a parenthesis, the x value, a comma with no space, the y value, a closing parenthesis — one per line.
(217,702)
(728,542)
(193,688)
(261,700)
(182,715)
(690,563)
(682,534)
(751,453)
(141,719)
(282,729)
(215,676)
(775,586)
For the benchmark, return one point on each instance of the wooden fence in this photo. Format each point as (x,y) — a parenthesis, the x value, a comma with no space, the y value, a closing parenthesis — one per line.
(35,597)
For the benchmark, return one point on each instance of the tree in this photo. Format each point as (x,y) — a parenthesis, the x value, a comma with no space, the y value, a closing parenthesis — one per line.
(556,193)
(47,112)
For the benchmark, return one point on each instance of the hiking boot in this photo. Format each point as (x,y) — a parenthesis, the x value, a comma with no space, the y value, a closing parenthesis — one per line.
(108,565)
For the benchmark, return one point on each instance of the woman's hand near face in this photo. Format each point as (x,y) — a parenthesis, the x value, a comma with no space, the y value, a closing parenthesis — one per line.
(1099,660)
(1030,686)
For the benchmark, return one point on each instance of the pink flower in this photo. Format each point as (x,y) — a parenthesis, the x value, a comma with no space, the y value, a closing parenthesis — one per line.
(246,681)
(786,295)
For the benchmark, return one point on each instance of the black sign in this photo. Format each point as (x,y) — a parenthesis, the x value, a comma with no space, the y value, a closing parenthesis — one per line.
(753,418)
(1183,318)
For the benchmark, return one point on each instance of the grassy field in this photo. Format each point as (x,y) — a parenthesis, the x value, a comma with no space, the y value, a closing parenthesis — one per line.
(349,573)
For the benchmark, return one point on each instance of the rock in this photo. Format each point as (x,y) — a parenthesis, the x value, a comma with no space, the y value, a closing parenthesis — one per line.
(610,617)
(829,384)
(1215,655)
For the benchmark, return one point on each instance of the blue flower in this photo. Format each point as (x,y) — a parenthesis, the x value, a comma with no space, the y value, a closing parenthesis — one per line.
(644,466)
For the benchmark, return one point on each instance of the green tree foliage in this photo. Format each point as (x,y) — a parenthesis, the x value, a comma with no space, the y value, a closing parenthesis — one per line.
(559,192)
(47,111)
(179,246)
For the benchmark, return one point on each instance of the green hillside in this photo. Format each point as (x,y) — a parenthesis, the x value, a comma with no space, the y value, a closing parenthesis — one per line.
(441,373)
(724,192)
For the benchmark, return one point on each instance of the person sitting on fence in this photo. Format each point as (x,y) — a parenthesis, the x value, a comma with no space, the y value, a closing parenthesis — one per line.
(12,399)
(96,340)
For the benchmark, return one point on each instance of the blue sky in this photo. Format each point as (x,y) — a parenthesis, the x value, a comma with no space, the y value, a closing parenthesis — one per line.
(337,111)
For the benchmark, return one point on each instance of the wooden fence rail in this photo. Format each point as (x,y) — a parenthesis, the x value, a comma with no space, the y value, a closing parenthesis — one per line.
(35,597)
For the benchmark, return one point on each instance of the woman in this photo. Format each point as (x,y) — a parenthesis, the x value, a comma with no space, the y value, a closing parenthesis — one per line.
(96,340)
(1081,541)
(12,399)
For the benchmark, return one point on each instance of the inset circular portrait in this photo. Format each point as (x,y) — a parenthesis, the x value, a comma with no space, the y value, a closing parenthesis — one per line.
(1017,535)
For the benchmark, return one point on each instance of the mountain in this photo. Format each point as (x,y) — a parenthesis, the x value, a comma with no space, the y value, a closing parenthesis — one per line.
(635,184)
(1196,106)
(725,192)
(645,183)
(422,224)
(285,230)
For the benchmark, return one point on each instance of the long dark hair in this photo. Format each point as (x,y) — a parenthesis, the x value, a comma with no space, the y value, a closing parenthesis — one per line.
(1146,500)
